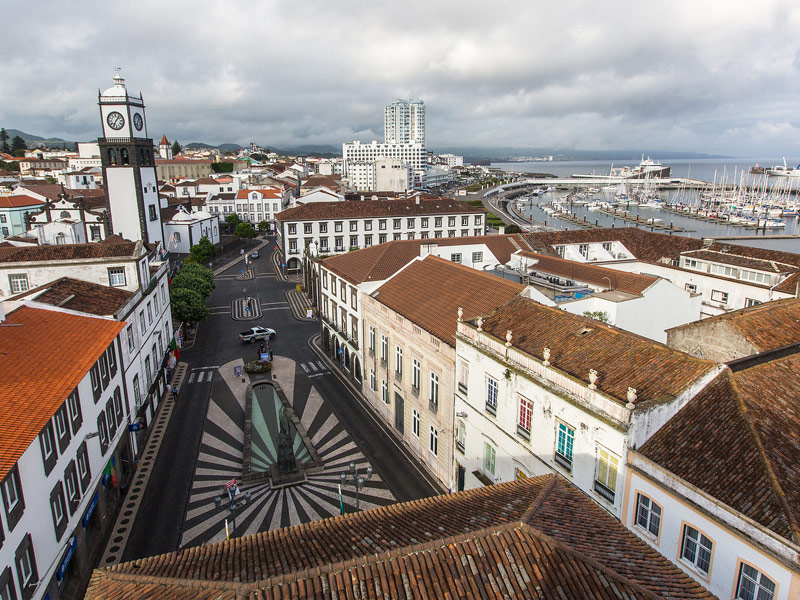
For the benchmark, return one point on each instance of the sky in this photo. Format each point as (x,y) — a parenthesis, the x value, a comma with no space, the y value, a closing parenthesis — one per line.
(686,75)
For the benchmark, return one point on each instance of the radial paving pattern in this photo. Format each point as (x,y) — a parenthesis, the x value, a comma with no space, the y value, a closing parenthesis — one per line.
(220,459)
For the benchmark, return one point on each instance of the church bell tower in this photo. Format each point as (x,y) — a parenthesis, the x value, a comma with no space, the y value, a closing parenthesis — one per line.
(129,169)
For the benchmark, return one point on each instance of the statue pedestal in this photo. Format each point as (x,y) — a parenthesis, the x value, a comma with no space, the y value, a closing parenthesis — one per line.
(280,480)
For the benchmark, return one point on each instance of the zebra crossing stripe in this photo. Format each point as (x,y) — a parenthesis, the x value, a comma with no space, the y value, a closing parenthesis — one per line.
(321,366)
(191,378)
(313,366)
(305,368)
(200,376)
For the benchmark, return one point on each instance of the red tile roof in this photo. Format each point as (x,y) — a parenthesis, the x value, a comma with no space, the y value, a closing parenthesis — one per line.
(82,296)
(739,260)
(18,200)
(767,326)
(45,354)
(623,281)
(119,249)
(375,208)
(429,291)
(739,441)
(578,344)
(377,263)
(539,538)
(266,192)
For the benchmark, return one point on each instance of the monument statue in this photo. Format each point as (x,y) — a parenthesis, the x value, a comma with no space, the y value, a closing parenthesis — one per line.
(286,459)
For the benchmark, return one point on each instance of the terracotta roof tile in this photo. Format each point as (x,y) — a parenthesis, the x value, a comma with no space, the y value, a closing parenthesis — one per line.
(623,281)
(508,540)
(37,373)
(578,344)
(377,263)
(739,441)
(18,254)
(730,258)
(767,326)
(82,296)
(374,208)
(429,291)
(18,200)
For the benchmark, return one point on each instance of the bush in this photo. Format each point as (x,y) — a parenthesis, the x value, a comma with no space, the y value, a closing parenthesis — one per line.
(187,305)
(192,279)
(202,251)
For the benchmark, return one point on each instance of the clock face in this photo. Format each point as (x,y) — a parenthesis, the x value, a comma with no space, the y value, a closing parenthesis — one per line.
(115,120)
(138,122)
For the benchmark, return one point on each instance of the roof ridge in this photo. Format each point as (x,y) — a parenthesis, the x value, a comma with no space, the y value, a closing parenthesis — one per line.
(794,527)
(528,514)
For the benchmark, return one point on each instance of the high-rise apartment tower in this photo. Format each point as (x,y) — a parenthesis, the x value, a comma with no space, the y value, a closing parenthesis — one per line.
(404,122)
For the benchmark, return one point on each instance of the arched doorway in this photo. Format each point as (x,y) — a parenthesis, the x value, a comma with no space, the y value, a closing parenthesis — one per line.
(356,369)
(326,340)
(346,359)
(337,348)
(293,264)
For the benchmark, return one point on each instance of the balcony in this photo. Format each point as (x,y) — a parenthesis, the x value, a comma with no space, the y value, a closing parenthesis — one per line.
(523,433)
(491,409)
(462,387)
(604,491)
(461,447)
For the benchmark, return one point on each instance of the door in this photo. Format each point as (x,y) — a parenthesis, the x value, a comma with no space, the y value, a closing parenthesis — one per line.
(460,474)
(399,412)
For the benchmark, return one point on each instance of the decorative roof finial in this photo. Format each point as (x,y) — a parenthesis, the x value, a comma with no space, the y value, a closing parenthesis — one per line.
(592,379)
(631,398)
(480,323)
(508,338)
(460,314)
(546,356)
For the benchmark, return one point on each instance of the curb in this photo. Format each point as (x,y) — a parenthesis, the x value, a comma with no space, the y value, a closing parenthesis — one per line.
(298,303)
(313,343)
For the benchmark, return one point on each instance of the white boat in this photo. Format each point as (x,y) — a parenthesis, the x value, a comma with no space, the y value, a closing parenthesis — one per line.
(650,204)
(783,170)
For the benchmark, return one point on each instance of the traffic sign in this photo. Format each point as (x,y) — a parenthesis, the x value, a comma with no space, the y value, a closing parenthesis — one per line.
(134,426)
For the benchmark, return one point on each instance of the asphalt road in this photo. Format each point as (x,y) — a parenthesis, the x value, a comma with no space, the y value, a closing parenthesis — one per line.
(158,523)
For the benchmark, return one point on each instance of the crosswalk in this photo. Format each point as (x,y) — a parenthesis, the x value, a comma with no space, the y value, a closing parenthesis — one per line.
(314,368)
(201,374)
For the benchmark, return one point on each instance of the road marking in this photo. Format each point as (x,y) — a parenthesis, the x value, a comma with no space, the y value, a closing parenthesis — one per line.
(200,376)
(305,368)
(321,366)
(317,375)
(191,378)
(313,366)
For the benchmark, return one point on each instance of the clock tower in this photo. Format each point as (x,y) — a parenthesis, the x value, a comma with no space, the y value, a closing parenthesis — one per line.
(129,169)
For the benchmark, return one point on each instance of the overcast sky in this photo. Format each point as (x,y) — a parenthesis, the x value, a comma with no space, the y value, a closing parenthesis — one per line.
(713,77)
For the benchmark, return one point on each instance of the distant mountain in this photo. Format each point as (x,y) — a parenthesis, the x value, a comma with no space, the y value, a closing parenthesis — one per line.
(35,140)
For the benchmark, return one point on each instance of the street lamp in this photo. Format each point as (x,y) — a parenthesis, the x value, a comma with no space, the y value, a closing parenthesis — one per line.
(356,480)
(233,505)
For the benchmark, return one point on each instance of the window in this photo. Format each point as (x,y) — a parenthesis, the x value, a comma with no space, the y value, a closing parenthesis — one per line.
(718,296)
(47,443)
(58,509)
(754,585)
(489,458)
(102,429)
(371,338)
(384,391)
(605,483)
(751,302)
(382,224)
(149,314)
(384,348)
(424,222)
(306,227)
(63,433)
(410,223)
(691,288)
(463,375)
(397,223)
(337,226)
(451,221)
(26,566)
(455,257)
(372,380)
(437,221)
(7,589)
(382,238)
(151,209)
(565,441)
(142,323)
(433,441)
(416,371)
(367,241)
(492,390)
(433,399)
(84,469)
(464,221)
(477,257)
(584,250)
(323,228)
(525,417)
(116,276)
(74,411)
(461,436)
(415,422)
(398,361)
(18,283)
(119,411)
(696,549)
(12,497)
(292,229)
(607,246)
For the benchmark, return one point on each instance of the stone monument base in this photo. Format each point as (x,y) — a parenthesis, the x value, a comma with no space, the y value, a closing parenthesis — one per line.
(281,480)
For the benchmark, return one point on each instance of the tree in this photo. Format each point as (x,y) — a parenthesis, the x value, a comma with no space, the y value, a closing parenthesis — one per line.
(245,230)
(18,144)
(233,220)
(600,315)
(190,280)
(202,251)
(4,147)
(512,228)
(199,270)
(263,226)
(176,148)
(187,305)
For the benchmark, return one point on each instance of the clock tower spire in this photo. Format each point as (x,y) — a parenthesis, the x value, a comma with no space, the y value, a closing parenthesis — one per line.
(129,169)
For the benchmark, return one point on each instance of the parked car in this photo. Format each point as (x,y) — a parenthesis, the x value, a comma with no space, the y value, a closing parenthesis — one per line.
(254,254)
(257,333)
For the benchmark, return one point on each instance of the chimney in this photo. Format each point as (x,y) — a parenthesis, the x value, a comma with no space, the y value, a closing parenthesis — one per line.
(417,199)
(502,229)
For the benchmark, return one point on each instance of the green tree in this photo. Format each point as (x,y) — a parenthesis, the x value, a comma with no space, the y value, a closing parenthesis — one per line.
(202,251)
(9,166)
(4,147)
(189,280)
(176,148)
(513,228)
(263,226)
(199,270)
(245,231)
(187,305)
(600,315)
(233,220)
(18,144)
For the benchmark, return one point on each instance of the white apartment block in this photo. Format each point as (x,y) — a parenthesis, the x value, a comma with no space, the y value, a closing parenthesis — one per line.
(569,397)
(404,122)
(250,205)
(61,476)
(382,175)
(337,227)
(413,154)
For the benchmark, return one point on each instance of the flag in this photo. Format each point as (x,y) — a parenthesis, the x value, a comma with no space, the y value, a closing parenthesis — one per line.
(341,501)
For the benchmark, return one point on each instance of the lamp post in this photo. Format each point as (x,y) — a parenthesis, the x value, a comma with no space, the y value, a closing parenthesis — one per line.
(356,480)
(233,504)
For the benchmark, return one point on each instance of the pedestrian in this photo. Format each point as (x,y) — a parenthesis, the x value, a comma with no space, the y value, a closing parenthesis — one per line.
(175,393)
(270,356)
(261,348)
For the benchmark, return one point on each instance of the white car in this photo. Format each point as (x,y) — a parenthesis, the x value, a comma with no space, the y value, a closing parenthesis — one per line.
(257,333)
